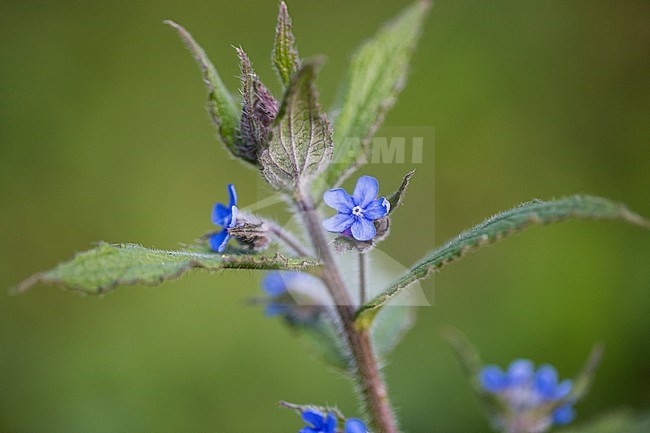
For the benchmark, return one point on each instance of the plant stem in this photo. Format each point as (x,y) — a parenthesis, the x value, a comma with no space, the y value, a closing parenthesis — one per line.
(370,381)
(362,277)
(289,240)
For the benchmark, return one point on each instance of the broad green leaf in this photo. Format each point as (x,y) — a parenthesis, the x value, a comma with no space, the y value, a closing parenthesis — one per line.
(285,53)
(221,106)
(107,266)
(301,138)
(622,421)
(503,225)
(376,75)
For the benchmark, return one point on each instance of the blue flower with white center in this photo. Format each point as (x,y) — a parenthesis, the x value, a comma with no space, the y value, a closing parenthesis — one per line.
(356,212)
(529,397)
(226,218)
(319,423)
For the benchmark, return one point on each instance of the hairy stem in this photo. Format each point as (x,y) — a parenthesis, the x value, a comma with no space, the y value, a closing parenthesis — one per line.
(370,381)
(289,240)
(362,277)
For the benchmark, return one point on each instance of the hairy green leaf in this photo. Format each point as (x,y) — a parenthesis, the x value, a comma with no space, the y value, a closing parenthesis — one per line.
(301,138)
(222,108)
(376,75)
(285,53)
(259,109)
(107,266)
(622,421)
(503,225)
(323,340)
(395,200)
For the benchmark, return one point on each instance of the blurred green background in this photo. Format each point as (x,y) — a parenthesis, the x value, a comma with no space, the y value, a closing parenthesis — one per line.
(103,136)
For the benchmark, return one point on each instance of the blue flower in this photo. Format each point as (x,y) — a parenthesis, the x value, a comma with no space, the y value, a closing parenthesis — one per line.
(356,212)
(320,423)
(327,424)
(226,218)
(525,393)
(354,425)
(283,286)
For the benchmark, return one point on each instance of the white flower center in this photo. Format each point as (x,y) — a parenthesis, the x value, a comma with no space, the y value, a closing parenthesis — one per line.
(357,211)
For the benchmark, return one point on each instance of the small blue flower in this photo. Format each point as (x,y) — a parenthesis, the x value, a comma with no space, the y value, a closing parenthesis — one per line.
(226,218)
(525,393)
(320,423)
(356,212)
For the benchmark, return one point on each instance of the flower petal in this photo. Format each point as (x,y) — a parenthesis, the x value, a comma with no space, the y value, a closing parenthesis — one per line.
(330,423)
(219,240)
(339,199)
(492,378)
(546,381)
(520,371)
(563,389)
(377,209)
(233,195)
(363,229)
(365,191)
(274,283)
(563,415)
(338,223)
(234,212)
(313,417)
(354,425)
(221,215)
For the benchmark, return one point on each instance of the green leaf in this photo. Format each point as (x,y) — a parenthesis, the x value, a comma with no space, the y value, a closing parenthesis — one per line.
(259,109)
(107,266)
(222,108)
(396,199)
(376,75)
(623,421)
(388,328)
(323,340)
(301,138)
(503,225)
(285,53)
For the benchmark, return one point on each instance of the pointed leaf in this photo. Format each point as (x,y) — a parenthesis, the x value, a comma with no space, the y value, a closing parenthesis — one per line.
(503,225)
(107,266)
(395,200)
(221,106)
(301,138)
(259,110)
(376,75)
(285,53)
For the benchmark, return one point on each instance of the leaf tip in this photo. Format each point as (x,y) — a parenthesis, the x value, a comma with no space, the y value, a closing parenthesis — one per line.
(25,285)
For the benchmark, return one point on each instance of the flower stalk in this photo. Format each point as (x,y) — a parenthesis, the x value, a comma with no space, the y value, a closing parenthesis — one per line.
(370,382)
